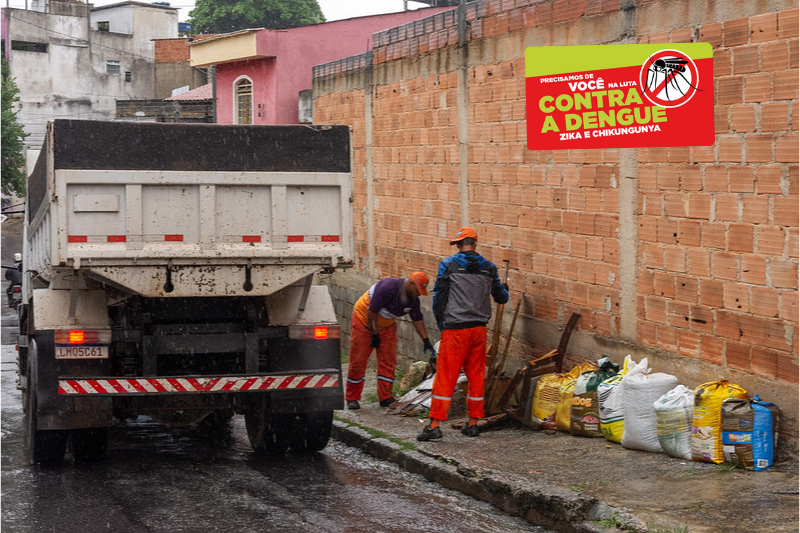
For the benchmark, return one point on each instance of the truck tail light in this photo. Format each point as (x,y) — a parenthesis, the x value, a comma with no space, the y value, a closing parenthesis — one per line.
(82,336)
(318,332)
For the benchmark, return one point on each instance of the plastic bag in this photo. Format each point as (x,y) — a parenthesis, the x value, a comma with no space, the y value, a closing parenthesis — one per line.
(707,418)
(545,398)
(564,407)
(750,432)
(640,390)
(585,414)
(674,421)
(609,400)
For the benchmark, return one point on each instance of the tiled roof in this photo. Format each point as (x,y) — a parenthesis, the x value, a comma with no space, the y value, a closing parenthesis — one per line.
(200,93)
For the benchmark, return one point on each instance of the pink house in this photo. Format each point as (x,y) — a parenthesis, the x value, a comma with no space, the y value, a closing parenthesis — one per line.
(259,73)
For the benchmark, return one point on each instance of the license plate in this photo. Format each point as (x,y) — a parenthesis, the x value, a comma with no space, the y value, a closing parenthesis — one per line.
(16,296)
(81,352)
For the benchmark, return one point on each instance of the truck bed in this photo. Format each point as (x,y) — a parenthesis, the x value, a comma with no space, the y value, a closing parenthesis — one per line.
(164,210)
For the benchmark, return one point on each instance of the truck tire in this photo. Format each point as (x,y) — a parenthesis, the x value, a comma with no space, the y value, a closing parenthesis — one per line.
(311,431)
(268,432)
(45,447)
(89,444)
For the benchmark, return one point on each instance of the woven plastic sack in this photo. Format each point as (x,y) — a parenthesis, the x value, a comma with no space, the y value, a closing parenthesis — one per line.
(545,398)
(750,432)
(585,414)
(564,407)
(640,390)
(609,400)
(707,419)
(674,411)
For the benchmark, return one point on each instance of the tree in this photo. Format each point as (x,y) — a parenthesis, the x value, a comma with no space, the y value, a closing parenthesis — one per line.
(13,171)
(225,16)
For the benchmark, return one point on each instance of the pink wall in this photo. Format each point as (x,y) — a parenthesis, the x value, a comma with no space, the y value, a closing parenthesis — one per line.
(291,55)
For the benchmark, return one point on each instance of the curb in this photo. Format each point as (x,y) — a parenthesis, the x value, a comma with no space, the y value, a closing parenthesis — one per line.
(549,506)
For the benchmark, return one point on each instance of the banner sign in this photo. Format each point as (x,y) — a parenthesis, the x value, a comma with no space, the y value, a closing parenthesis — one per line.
(619,96)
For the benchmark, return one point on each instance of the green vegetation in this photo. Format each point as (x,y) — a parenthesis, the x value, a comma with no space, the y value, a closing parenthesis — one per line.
(225,16)
(726,467)
(399,374)
(13,135)
(578,488)
(611,521)
(371,397)
(378,434)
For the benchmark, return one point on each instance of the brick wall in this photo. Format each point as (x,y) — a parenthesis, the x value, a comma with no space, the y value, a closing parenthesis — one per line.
(702,277)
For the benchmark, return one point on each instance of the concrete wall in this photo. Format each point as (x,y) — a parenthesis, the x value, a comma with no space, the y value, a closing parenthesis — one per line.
(685,255)
(70,79)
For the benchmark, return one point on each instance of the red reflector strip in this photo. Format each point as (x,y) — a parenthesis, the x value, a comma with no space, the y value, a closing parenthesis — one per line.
(173,238)
(160,386)
(295,238)
(251,238)
(330,238)
(77,238)
(116,238)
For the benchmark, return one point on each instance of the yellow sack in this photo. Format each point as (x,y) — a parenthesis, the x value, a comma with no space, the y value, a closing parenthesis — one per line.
(609,400)
(545,398)
(564,407)
(707,419)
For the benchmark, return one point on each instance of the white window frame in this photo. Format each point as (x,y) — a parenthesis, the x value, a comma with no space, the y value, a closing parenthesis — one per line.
(236,99)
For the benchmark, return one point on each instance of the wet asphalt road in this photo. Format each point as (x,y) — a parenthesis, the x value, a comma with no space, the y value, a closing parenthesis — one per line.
(159,479)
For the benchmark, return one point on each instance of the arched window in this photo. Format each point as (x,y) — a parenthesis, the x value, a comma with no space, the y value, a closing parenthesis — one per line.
(244,101)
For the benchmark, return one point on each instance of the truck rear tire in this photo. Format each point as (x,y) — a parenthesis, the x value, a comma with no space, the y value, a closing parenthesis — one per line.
(268,432)
(45,447)
(89,444)
(311,431)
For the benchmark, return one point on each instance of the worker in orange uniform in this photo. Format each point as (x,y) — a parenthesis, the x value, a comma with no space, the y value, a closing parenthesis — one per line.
(462,307)
(373,327)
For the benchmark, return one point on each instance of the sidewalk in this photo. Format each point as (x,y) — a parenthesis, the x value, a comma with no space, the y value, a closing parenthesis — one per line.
(578,484)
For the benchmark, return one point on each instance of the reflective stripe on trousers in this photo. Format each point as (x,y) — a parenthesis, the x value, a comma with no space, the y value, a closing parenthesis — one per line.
(360,350)
(460,348)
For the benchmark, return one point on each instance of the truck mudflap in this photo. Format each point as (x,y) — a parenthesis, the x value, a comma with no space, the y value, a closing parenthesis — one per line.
(109,386)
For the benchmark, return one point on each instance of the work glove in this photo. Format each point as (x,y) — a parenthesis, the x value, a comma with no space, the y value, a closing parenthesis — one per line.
(428,347)
(505,286)
(376,341)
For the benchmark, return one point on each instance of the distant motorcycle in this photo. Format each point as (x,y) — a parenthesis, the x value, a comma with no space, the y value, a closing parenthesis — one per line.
(15,295)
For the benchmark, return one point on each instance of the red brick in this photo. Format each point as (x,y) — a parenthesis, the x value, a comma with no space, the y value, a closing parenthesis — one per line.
(699,206)
(646,333)
(714,235)
(745,59)
(763,27)
(667,338)
(711,349)
(789,306)
(786,149)
(788,23)
(743,118)
(771,240)
(785,211)
(686,289)
(783,274)
(740,238)
(788,369)
(774,56)
(753,269)
(755,210)
(764,362)
(730,149)
(736,297)
(712,34)
(758,87)
(725,266)
(759,148)
(764,302)
(675,259)
(735,32)
(741,178)
(730,90)
(785,85)
(737,356)
(689,344)
(699,261)
(727,208)
(775,117)
(689,233)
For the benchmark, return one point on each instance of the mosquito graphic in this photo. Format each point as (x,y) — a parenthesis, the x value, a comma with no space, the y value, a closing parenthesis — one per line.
(670,68)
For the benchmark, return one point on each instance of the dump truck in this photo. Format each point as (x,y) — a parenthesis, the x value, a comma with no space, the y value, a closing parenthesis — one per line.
(173,271)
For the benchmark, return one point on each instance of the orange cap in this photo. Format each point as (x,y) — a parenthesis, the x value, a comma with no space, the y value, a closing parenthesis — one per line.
(463,233)
(421,279)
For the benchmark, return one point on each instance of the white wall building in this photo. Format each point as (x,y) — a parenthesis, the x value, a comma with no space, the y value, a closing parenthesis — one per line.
(71,60)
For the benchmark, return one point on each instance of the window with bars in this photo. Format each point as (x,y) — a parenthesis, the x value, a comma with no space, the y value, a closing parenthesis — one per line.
(244,101)
(112,67)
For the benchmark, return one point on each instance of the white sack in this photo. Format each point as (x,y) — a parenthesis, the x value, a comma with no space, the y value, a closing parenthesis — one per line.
(640,390)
